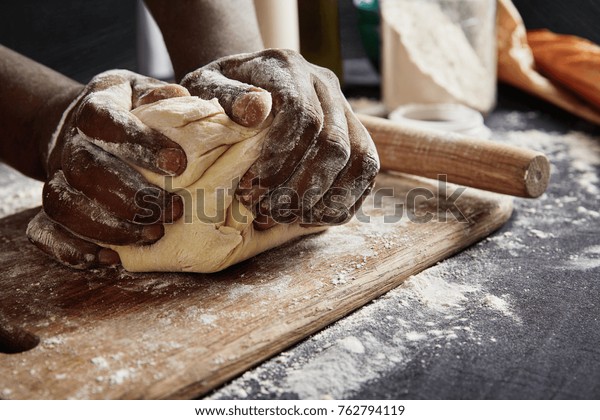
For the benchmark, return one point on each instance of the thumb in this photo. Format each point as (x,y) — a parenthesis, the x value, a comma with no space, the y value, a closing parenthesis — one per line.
(245,104)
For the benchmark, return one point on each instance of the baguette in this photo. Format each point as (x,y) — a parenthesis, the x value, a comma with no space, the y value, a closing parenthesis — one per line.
(516,66)
(569,60)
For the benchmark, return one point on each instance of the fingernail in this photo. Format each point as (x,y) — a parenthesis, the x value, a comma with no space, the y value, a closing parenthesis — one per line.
(152,233)
(172,161)
(108,257)
(162,92)
(252,108)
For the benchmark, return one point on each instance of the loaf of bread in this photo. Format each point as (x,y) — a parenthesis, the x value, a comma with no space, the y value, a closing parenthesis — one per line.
(568,60)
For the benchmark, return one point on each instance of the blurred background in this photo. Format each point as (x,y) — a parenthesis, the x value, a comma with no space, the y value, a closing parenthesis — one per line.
(82,38)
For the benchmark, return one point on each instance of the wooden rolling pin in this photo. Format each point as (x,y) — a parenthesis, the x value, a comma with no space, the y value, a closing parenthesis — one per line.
(482,164)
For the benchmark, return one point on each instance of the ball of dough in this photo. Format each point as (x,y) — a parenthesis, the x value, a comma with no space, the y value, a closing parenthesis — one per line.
(216,231)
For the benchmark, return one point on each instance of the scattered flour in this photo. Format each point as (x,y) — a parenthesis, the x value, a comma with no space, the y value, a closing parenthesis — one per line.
(337,369)
(100,362)
(592,213)
(425,311)
(418,336)
(340,277)
(499,304)
(208,319)
(587,259)
(52,342)
(434,291)
(239,291)
(120,376)
(540,234)
(343,243)
(352,344)
(281,285)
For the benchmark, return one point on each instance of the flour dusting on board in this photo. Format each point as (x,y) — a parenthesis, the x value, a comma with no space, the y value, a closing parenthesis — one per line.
(100,362)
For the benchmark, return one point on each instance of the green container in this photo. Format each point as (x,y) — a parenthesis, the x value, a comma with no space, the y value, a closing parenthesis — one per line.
(369,29)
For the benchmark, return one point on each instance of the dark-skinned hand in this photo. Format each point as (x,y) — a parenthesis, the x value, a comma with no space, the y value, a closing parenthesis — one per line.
(92,193)
(318,162)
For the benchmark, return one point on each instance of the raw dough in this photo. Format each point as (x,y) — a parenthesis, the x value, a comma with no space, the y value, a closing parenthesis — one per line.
(219,152)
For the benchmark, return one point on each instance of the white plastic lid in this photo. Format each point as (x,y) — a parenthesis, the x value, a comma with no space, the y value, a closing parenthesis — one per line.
(443,117)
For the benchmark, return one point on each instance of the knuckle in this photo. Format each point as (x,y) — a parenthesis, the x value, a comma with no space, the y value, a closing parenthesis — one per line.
(369,165)
(74,166)
(87,111)
(337,148)
(328,76)
(344,217)
(191,79)
(35,227)
(364,169)
(110,77)
(120,73)
(312,120)
(283,55)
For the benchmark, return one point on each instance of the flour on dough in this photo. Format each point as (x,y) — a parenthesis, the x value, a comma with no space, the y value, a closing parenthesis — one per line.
(215,231)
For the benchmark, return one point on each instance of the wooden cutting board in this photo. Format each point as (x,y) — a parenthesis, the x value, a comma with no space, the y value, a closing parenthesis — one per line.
(112,334)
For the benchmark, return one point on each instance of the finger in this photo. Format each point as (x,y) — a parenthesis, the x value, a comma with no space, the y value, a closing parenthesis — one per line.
(117,186)
(287,205)
(314,217)
(342,200)
(287,141)
(245,104)
(142,95)
(312,220)
(67,248)
(104,117)
(144,89)
(85,217)
(319,168)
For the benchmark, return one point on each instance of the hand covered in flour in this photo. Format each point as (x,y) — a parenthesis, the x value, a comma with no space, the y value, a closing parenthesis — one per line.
(318,162)
(91,192)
